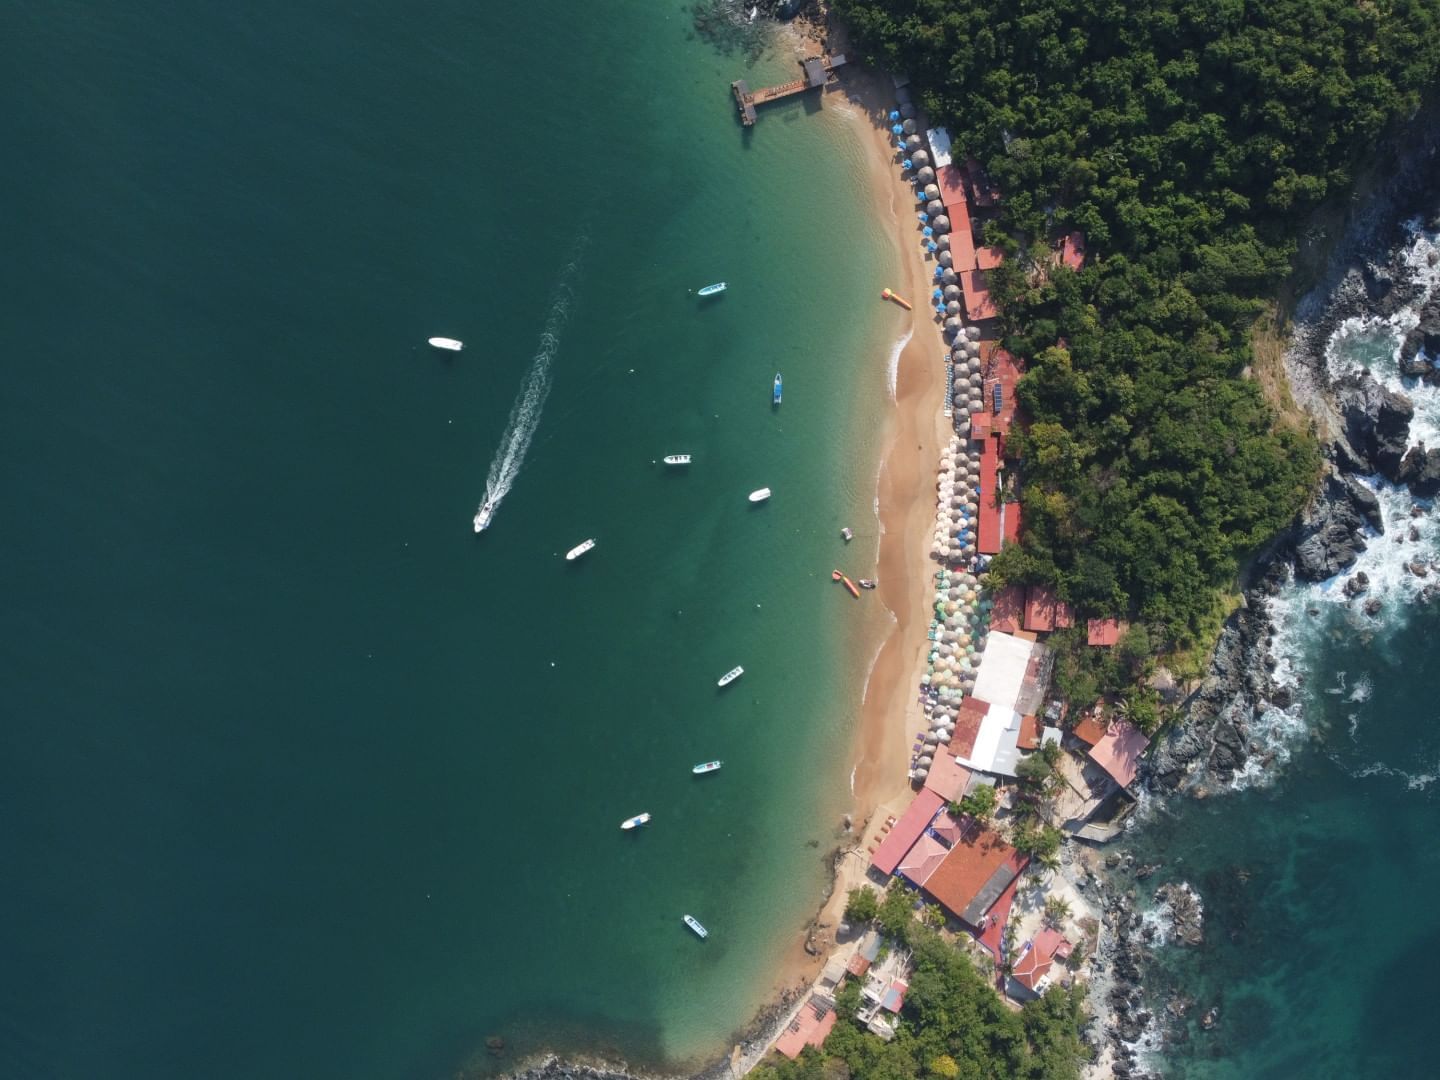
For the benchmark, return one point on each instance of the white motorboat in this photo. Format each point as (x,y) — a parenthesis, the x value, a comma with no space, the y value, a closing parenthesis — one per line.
(483,516)
(579,549)
(694,924)
(637,820)
(677,459)
(447,343)
(712,290)
(731,675)
(709,766)
(760,496)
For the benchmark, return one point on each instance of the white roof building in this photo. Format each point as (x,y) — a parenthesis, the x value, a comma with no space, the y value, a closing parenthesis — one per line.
(939,146)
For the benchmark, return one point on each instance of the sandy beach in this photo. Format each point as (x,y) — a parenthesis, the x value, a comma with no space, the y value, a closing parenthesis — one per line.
(915,431)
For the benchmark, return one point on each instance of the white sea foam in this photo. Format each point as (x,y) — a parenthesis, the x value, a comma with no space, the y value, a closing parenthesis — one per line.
(1413,781)
(892,366)
(1370,343)
(525,413)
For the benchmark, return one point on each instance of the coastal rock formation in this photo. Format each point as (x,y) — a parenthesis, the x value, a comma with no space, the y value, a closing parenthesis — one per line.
(1180,906)
(1420,471)
(1330,537)
(1377,422)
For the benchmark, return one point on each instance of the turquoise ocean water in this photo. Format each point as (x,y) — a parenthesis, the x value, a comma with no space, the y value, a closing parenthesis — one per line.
(1319,876)
(298,776)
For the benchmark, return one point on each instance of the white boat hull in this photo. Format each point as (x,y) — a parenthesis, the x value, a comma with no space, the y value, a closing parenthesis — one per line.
(636,821)
(713,290)
(760,496)
(731,676)
(449,344)
(677,459)
(694,924)
(708,767)
(578,550)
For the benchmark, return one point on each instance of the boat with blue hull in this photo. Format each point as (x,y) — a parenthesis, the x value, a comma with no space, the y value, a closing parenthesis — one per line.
(775,397)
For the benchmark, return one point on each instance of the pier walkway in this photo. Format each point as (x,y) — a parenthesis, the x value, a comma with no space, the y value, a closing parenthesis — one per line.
(818,71)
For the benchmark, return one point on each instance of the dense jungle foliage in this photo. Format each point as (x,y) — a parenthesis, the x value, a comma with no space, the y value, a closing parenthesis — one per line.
(1188,139)
(953,1025)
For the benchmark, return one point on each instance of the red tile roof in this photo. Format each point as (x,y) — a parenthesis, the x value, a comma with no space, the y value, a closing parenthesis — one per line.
(1089,730)
(975,873)
(1011,522)
(968,719)
(976,290)
(947,828)
(947,777)
(1005,614)
(906,831)
(1039,954)
(1039,608)
(1072,250)
(950,179)
(1118,753)
(809,1028)
(1104,632)
(1029,733)
(922,859)
(987,258)
(962,242)
(987,539)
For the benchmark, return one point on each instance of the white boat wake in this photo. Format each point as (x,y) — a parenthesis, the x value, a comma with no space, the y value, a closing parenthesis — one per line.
(525,413)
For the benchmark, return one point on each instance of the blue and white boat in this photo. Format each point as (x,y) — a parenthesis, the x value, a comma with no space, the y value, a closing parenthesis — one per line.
(712,290)
(775,397)
(694,924)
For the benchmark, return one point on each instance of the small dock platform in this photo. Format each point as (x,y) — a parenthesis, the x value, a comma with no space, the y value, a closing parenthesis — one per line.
(818,71)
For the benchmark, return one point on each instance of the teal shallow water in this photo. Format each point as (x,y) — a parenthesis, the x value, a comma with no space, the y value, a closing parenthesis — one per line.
(289,782)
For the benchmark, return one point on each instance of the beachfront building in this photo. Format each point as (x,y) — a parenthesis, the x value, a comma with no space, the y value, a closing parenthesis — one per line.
(975,881)
(903,833)
(1030,975)
(1118,751)
(810,1027)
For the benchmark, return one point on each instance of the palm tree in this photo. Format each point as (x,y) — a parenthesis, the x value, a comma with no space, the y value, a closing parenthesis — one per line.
(1057,910)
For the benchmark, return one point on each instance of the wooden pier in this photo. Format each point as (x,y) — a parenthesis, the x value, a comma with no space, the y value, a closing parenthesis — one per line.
(818,71)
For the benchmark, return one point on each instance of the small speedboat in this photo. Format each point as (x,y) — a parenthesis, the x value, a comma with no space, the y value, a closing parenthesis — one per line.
(449,344)
(866,583)
(759,496)
(730,676)
(636,821)
(713,290)
(677,459)
(775,393)
(694,924)
(483,515)
(579,549)
(709,766)
(847,534)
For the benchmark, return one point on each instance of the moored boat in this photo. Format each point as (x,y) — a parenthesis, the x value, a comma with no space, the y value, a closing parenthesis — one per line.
(847,534)
(677,459)
(579,549)
(759,496)
(730,676)
(709,766)
(866,583)
(775,394)
(712,290)
(694,924)
(447,343)
(637,820)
